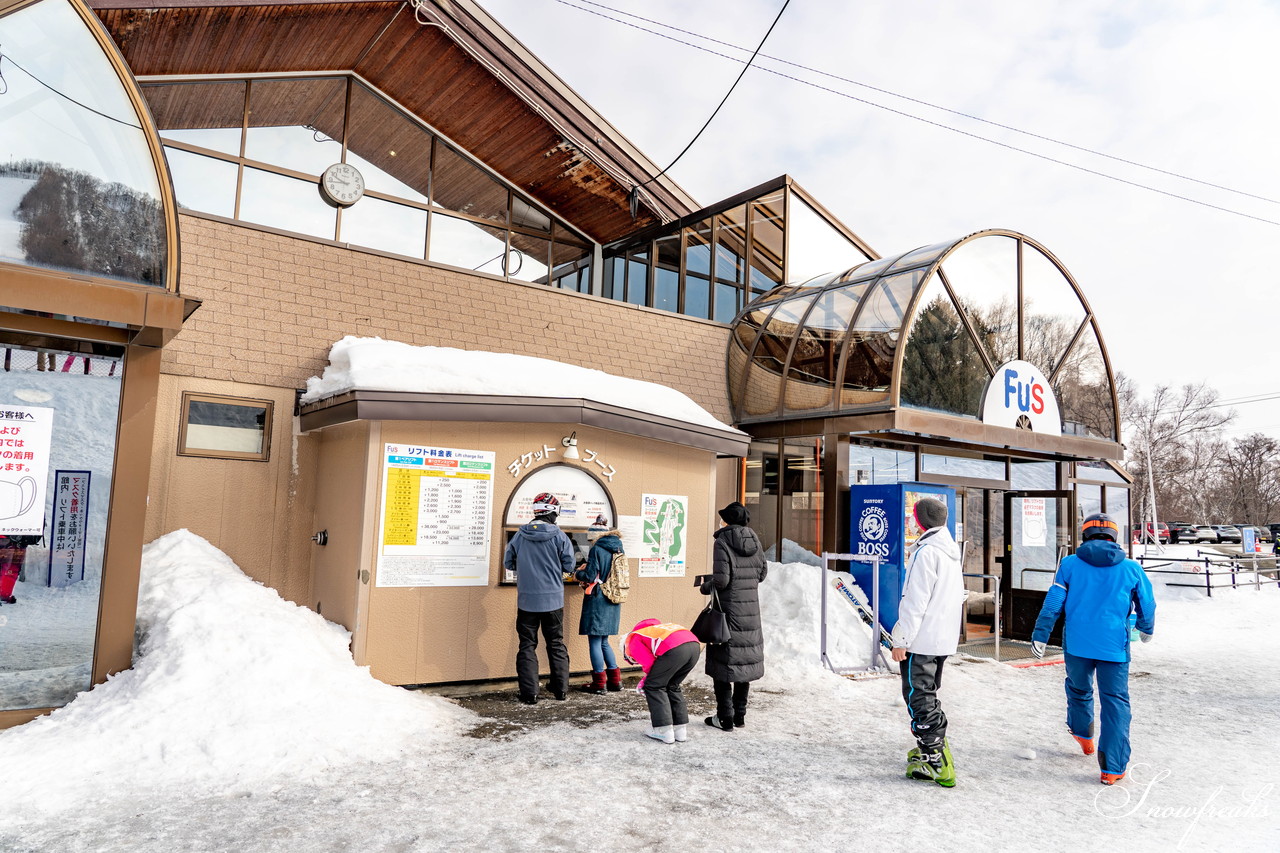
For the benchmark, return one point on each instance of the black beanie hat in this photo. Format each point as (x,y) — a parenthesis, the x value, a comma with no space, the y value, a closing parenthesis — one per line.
(735,513)
(931,513)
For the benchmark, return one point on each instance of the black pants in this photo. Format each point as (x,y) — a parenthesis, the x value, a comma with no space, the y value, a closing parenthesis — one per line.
(662,686)
(921,678)
(552,625)
(731,698)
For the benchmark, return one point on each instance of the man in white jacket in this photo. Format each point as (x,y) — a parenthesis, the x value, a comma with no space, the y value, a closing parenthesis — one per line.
(927,631)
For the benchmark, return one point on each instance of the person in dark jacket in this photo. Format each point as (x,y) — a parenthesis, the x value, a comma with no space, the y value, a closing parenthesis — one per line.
(540,555)
(738,568)
(601,618)
(1098,587)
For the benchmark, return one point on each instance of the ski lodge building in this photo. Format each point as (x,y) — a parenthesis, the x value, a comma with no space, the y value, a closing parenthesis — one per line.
(199,199)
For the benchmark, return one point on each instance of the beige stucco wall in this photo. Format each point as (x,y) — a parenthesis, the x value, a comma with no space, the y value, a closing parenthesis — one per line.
(425,635)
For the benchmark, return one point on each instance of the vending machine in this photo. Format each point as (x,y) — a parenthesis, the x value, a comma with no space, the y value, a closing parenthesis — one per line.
(882,523)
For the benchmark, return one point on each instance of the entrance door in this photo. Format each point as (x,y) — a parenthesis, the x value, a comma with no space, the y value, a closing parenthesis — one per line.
(1037,534)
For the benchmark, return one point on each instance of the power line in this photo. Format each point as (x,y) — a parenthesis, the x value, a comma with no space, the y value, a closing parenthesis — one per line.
(924,103)
(635,191)
(5,56)
(937,124)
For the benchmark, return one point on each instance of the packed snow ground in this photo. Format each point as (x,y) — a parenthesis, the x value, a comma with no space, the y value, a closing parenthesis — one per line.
(244,726)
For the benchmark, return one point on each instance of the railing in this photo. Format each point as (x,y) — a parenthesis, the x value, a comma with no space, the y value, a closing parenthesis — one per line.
(1210,569)
(995,624)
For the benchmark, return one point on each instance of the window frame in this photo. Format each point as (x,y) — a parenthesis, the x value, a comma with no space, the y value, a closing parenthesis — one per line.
(184,420)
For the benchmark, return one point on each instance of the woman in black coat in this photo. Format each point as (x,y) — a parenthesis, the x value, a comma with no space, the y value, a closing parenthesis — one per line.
(738,568)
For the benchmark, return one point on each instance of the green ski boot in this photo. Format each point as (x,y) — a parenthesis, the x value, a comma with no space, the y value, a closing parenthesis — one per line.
(932,766)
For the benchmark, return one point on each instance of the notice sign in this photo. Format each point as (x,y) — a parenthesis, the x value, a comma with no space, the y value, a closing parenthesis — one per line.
(25,433)
(1034,528)
(70,520)
(435,516)
(662,551)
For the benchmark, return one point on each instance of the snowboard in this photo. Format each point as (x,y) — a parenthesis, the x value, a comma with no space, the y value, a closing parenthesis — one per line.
(868,619)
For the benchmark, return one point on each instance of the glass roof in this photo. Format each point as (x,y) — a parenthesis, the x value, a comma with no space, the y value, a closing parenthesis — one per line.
(927,330)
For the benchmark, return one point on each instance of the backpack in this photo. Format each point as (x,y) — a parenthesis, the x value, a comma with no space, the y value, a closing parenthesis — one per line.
(616,586)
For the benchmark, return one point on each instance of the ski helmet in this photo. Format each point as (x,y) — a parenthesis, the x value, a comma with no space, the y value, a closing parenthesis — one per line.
(544,503)
(1100,526)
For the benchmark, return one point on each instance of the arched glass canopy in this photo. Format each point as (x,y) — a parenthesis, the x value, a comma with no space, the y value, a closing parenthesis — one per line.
(925,330)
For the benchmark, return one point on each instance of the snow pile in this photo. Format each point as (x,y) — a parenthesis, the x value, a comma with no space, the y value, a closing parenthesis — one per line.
(793,552)
(232,686)
(373,364)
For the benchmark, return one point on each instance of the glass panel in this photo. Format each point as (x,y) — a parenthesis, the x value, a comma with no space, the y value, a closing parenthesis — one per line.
(874,340)
(761,490)
(614,278)
(1118,508)
(941,368)
(921,257)
(957,465)
(206,114)
(812,373)
(47,639)
(1090,470)
(771,352)
(387,226)
(460,185)
(78,189)
(203,183)
(391,152)
(983,275)
(1038,529)
(282,202)
(1083,390)
(1053,311)
(767,240)
(697,297)
(728,302)
(876,466)
(801,502)
(1088,501)
(816,246)
(296,124)
(638,278)
(528,258)
(460,243)
(666,274)
(731,246)
(1033,476)
(529,217)
(697,252)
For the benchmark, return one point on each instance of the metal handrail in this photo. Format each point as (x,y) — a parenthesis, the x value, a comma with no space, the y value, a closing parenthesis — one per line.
(995,624)
(1021,572)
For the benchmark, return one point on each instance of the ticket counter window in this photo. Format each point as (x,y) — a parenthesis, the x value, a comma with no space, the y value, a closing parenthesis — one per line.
(58,417)
(582,498)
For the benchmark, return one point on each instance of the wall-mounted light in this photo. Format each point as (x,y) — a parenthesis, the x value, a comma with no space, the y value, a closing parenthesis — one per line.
(571,443)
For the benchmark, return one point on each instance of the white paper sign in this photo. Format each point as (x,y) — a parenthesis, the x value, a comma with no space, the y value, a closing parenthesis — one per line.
(1034,528)
(25,438)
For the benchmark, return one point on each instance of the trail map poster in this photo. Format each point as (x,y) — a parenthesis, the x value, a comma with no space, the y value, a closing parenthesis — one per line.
(436,509)
(666,519)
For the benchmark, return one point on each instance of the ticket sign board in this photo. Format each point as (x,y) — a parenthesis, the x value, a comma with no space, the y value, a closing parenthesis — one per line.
(1020,397)
(436,510)
(25,440)
(69,524)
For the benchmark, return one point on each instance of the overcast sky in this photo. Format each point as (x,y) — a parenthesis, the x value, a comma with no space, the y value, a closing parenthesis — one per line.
(1183,292)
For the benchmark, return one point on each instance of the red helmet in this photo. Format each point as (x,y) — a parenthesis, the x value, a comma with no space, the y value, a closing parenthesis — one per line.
(545,502)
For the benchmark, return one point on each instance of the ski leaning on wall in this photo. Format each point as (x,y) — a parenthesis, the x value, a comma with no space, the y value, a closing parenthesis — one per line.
(868,619)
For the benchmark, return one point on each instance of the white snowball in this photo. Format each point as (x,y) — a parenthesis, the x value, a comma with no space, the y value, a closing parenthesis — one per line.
(1027,753)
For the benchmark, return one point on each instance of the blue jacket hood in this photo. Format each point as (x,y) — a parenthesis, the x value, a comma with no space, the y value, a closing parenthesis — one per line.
(610,542)
(1101,553)
(539,531)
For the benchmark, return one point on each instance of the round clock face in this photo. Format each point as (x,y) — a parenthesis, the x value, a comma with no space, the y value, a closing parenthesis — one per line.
(342,184)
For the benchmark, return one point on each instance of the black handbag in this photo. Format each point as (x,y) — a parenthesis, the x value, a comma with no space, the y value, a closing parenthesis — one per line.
(711,626)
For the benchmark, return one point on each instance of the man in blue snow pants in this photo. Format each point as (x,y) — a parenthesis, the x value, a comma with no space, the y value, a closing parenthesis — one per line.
(1098,588)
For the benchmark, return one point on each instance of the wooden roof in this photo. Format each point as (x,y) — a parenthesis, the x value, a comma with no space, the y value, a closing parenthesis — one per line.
(461,73)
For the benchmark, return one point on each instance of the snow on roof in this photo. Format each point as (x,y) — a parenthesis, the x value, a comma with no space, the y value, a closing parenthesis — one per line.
(373,364)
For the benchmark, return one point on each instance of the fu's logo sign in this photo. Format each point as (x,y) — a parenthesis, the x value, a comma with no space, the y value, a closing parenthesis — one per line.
(1019,397)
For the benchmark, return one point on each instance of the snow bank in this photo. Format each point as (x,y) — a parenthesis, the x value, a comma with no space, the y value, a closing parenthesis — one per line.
(373,364)
(232,686)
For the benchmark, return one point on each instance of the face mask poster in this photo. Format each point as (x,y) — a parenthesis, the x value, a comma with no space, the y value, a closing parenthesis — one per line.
(25,437)
(435,516)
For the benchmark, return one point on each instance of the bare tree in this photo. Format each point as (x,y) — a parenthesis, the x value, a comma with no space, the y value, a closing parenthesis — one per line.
(1250,479)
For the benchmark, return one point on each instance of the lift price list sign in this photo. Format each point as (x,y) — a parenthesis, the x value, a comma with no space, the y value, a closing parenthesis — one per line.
(436,509)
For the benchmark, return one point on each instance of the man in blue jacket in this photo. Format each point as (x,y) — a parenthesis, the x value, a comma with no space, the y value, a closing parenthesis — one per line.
(540,555)
(1099,588)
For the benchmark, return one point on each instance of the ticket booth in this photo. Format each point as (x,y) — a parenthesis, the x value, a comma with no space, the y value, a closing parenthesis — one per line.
(414,510)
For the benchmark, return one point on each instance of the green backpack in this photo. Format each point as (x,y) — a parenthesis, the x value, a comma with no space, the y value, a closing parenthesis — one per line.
(616,586)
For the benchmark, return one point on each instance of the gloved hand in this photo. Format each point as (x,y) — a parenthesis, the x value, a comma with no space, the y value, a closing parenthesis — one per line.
(706,588)
(1146,638)
(1037,649)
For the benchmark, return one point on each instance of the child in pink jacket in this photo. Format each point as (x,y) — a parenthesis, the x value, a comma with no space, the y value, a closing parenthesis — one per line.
(667,652)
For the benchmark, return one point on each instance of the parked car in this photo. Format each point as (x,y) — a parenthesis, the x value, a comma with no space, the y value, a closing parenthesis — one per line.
(1275,531)
(1182,531)
(1227,533)
(1205,533)
(1161,532)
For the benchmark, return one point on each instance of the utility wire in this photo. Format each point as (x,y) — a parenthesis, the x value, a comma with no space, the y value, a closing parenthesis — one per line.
(924,103)
(937,124)
(6,57)
(635,192)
